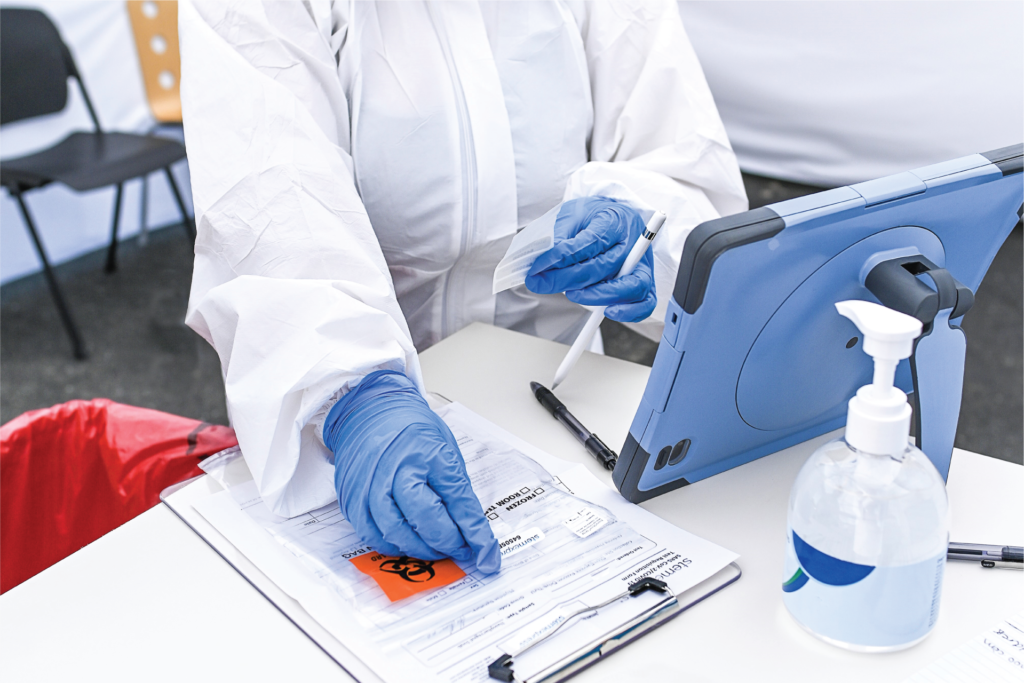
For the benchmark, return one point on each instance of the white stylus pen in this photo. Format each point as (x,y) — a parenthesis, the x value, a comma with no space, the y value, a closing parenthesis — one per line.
(587,333)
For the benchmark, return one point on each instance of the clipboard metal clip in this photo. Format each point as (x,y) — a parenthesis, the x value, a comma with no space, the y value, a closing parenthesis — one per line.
(501,668)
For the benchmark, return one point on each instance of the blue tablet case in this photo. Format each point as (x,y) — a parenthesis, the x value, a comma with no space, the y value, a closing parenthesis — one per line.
(754,357)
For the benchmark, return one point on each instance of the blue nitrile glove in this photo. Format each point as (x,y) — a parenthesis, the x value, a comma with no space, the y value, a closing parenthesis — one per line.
(400,477)
(593,236)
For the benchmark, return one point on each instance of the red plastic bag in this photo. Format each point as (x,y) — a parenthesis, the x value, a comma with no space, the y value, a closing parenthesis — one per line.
(73,472)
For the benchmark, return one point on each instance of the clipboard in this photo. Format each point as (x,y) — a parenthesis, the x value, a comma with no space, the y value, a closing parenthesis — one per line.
(667,608)
(180,498)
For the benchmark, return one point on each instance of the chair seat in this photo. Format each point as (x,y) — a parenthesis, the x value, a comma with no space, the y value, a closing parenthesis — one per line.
(86,161)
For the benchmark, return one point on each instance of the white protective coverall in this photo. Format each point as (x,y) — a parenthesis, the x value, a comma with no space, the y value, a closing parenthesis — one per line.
(359,168)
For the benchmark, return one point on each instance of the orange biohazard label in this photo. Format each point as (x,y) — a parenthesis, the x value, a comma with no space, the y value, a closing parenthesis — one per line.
(403,576)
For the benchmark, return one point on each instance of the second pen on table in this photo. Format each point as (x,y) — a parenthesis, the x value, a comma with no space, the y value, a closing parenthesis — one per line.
(590,441)
(990,556)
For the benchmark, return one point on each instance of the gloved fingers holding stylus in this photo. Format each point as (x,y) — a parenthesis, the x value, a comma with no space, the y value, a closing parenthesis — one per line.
(629,299)
(593,236)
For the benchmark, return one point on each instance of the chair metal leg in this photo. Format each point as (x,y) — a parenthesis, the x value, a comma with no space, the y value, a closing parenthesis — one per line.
(143,212)
(190,228)
(78,348)
(112,249)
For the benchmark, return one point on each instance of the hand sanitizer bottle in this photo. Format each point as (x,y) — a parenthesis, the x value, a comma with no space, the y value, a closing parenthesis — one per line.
(868,523)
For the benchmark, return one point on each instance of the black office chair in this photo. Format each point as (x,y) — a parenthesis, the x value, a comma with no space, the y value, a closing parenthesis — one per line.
(35,65)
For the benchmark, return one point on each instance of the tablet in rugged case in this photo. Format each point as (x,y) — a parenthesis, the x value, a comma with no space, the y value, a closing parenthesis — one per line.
(754,357)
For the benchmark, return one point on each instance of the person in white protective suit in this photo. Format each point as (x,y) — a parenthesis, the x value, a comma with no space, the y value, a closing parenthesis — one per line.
(359,169)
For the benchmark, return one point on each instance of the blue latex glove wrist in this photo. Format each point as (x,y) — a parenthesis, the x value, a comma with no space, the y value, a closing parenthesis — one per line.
(400,477)
(593,236)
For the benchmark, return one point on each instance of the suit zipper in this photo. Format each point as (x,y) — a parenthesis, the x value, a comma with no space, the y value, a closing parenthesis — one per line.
(469,177)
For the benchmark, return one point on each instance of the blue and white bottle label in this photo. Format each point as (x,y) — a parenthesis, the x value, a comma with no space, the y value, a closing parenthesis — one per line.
(860,604)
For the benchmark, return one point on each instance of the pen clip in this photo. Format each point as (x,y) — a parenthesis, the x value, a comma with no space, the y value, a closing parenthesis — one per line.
(1002,564)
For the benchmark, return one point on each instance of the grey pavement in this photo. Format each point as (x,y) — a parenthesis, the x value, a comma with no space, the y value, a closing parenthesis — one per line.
(141,352)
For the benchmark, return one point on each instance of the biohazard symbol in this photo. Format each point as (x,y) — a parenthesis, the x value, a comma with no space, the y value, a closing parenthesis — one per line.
(403,576)
(409,568)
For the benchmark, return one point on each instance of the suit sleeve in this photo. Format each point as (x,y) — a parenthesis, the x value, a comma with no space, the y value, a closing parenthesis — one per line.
(657,136)
(290,285)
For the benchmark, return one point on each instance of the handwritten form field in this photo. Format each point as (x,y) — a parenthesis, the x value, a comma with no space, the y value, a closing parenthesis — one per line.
(571,542)
(993,657)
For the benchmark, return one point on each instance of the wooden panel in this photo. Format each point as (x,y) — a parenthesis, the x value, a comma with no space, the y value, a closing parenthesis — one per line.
(155,27)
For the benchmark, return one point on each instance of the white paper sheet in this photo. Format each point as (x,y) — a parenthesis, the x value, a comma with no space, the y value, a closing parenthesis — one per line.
(568,542)
(995,656)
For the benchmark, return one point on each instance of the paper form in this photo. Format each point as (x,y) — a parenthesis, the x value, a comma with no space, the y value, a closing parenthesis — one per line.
(995,656)
(561,553)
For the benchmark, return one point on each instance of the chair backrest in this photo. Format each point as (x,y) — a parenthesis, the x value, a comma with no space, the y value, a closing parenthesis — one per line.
(155,26)
(33,68)
(35,65)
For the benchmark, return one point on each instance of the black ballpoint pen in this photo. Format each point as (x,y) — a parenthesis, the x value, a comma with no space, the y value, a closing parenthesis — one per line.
(597,448)
(990,556)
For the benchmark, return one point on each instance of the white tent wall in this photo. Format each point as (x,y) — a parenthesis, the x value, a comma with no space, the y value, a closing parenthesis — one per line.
(833,93)
(99,35)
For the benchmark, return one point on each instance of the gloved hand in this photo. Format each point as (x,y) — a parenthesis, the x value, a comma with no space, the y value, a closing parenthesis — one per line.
(593,236)
(400,477)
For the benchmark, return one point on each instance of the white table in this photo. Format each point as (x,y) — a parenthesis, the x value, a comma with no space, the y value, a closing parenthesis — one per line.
(152,601)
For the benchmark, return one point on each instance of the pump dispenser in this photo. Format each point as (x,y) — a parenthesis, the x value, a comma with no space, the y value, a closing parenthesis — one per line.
(878,419)
(868,515)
